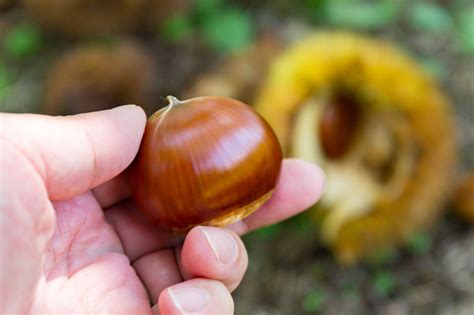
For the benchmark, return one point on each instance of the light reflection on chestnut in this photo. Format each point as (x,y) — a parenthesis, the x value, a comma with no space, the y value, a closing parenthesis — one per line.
(204,161)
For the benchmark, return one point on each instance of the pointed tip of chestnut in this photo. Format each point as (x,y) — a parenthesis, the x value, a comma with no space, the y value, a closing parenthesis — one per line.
(209,161)
(172,100)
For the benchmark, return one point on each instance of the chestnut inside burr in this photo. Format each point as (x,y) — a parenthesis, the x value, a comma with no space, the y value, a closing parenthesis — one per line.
(338,125)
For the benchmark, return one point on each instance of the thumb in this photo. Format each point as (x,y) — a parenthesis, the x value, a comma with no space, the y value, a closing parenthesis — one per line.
(73,154)
(45,158)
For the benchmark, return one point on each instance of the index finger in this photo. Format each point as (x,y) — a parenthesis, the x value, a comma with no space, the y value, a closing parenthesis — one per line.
(301,184)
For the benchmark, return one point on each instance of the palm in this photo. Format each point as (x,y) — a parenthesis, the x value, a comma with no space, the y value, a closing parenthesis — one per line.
(85,267)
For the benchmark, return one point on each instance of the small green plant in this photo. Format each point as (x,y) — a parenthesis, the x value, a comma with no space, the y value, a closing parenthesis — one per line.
(465,20)
(205,7)
(177,28)
(383,283)
(23,40)
(302,223)
(225,27)
(358,14)
(268,231)
(420,243)
(430,17)
(314,300)
(229,30)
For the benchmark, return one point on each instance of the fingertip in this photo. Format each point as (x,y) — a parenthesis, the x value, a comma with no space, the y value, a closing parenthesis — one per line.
(132,119)
(184,300)
(207,250)
(197,254)
(130,122)
(130,108)
(214,253)
(196,296)
(165,304)
(303,179)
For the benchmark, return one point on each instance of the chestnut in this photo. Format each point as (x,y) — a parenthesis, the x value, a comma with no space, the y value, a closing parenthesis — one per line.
(464,198)
(204,161)
(337,127)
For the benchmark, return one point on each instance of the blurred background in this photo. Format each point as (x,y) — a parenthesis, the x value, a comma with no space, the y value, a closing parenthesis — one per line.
(380,93)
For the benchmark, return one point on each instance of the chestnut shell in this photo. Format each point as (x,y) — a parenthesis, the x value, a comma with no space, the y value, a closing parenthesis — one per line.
(205,161)
(93,78)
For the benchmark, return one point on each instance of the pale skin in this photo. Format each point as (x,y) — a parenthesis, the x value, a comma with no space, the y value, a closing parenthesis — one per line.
(71,240)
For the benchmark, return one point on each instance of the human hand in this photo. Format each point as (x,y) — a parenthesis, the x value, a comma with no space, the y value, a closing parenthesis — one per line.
(71,241)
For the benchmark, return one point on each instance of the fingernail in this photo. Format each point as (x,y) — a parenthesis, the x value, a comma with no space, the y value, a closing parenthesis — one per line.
(189,299)
(223,244)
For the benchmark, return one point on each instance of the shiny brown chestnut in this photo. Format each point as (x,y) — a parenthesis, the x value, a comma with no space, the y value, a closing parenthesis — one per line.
(204,161)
